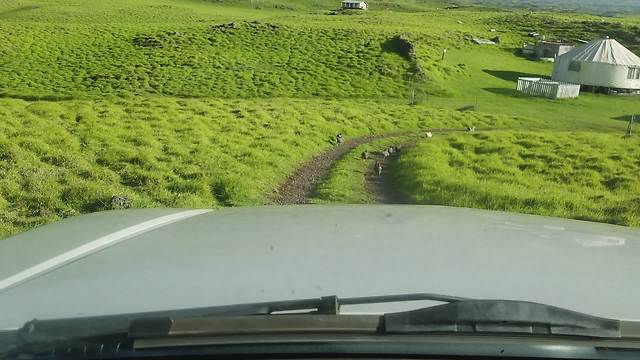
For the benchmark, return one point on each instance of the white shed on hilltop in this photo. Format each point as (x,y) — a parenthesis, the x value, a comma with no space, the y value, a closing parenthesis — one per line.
(602,63)
(353,4)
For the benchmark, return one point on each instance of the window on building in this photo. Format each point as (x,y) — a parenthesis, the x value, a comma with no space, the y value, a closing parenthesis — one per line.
(634,73)
(574,66)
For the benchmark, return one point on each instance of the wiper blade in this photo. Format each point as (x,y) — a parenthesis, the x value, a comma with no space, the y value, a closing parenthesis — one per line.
(72,328)
(113,331)
(459,316)
(502,316)
(464,317)
(400,298)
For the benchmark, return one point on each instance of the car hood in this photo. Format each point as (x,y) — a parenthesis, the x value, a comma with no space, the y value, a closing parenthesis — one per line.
(160,259)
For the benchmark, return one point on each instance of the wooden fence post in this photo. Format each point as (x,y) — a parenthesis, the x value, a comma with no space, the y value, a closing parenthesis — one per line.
(630,126)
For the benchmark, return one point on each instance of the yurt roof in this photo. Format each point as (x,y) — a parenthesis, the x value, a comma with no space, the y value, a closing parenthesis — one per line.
(607,51)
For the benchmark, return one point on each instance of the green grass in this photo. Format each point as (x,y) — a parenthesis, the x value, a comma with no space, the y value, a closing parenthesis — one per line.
(58,159)
(243,60)
(570,27)
(490,82)
(166,103)
(186,49)
(578,175)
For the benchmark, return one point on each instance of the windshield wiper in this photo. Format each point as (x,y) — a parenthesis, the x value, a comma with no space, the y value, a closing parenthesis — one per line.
(463,317)
(62,329)
(112,332)
(459,316)
(501,316)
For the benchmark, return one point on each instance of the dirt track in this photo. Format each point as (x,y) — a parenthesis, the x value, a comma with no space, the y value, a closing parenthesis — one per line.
(301,185)
(380,187)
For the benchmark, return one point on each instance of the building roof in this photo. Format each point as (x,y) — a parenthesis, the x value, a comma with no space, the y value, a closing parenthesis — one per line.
(607,51)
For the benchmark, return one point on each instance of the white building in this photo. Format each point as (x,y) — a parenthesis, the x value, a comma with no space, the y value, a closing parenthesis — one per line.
(547,88)
(552,49)
(352,4)
(601,63)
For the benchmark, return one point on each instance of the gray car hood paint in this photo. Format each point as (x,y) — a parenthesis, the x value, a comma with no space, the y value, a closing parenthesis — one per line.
(245,255)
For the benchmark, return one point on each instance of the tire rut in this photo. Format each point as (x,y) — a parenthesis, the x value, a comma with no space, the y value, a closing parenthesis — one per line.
(381,187)
(301,185)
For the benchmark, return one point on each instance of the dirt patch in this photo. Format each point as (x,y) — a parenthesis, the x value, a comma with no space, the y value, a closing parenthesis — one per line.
(301,185)
(381,187)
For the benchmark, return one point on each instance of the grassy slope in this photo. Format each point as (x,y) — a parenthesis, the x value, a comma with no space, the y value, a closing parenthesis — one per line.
(200,59)
(62,158)
(578,175)
(123,129)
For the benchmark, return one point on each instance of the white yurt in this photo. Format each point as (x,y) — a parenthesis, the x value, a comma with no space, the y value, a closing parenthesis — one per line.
(600,63)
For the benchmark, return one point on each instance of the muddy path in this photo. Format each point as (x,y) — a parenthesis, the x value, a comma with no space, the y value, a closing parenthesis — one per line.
(381,187)
(301,185)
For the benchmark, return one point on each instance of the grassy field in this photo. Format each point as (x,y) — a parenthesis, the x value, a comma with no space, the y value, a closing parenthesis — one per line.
(59,159)
(579,175)
(229,60)
(57,51)
(199,103)
(491,88)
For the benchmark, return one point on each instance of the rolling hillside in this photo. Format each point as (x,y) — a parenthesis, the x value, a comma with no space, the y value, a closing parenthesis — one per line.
(195,103)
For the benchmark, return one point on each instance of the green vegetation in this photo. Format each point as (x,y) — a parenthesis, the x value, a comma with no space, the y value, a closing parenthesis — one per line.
(578,175)
(230,60)
(568,28)
(198,103)
(490,86)
(59,159)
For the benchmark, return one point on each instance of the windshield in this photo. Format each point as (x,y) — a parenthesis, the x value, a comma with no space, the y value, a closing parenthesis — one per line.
(173,154)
